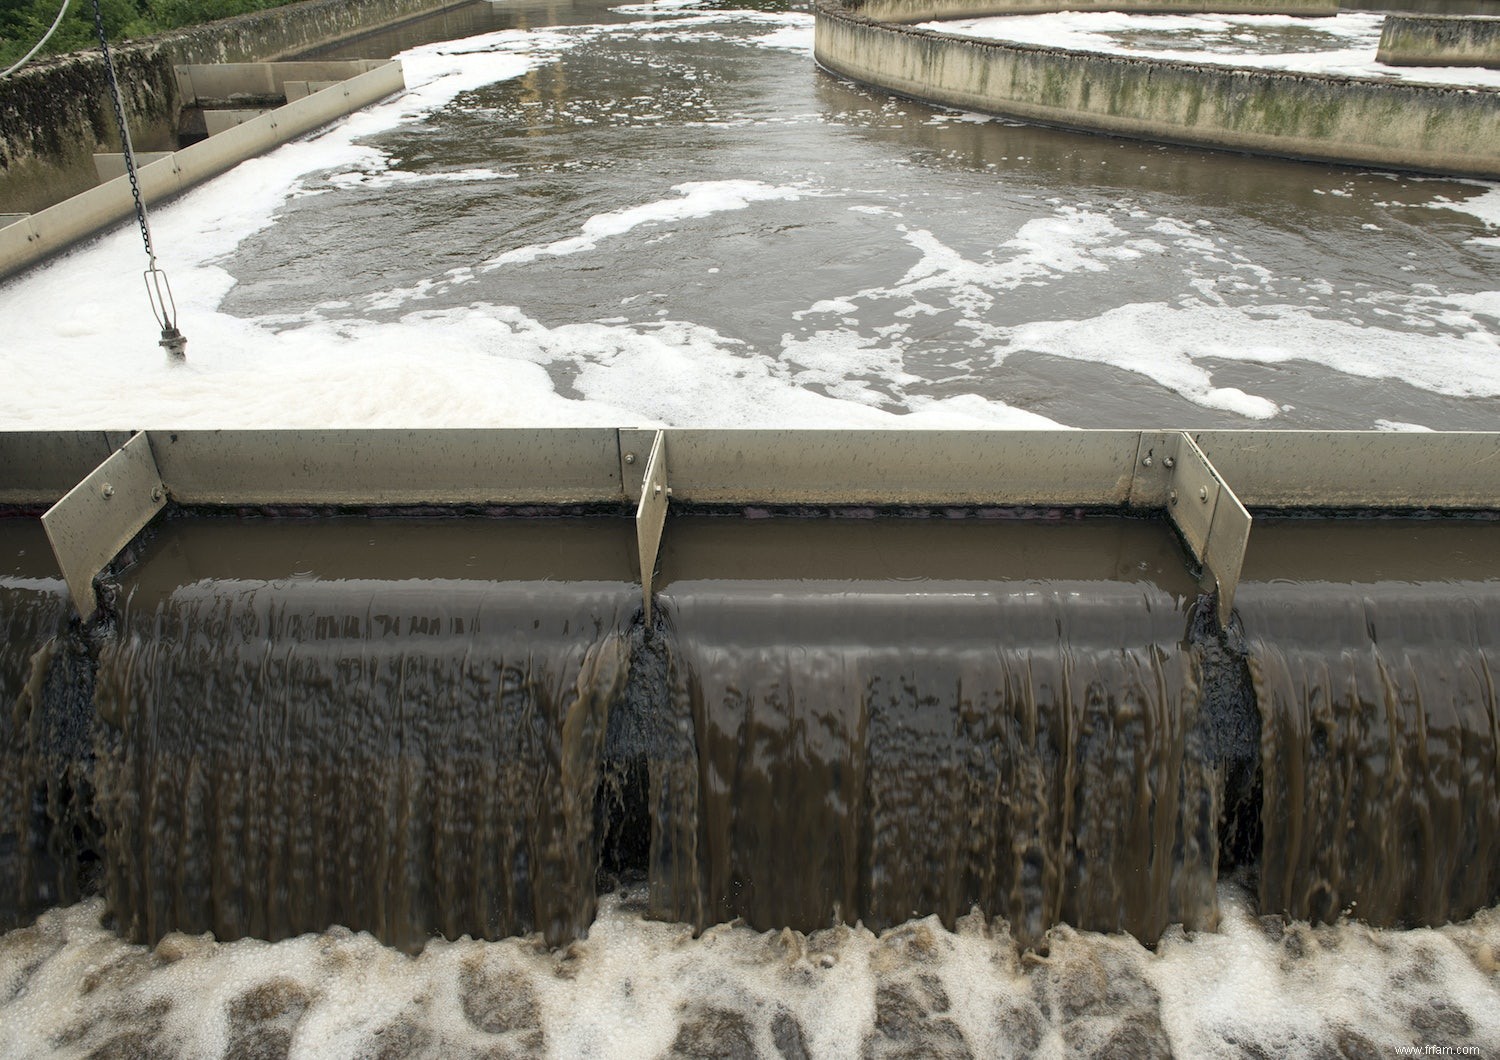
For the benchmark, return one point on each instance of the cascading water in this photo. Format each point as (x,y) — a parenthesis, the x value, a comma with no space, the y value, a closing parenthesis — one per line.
(276,741)
(404,756)
(40,763)
(826,726)
(1380,745)
(873,755)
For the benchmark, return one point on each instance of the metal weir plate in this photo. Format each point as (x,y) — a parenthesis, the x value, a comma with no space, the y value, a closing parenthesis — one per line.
(1188,477)
(1211,519)
(651,516)
(99,516)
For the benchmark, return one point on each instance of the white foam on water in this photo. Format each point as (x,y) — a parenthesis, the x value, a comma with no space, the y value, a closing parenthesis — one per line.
(1072,240)
(240,371)
(716,381)
(1163,342)
(1344,45)
(636,988)
(658,7)
(1485,207)
(380,175)
(479,365)
(1446,344)
(696,199)
(796,38)
(1140,351)
(485,364)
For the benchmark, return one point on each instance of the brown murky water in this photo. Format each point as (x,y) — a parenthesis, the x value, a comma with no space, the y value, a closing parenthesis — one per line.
(456,727)
(1378,703)
(37,757)
(903,718)
(449,726)
(308,738)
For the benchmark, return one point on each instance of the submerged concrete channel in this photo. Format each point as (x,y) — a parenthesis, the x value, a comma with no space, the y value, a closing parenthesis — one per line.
(1423,128)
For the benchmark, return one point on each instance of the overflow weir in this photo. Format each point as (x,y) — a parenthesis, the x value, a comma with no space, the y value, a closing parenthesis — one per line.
(457,682)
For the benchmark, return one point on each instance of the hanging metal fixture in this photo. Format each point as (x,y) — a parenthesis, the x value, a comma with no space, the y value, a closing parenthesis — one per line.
(158,287)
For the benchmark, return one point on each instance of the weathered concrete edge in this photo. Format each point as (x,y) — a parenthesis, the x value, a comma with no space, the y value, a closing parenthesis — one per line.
(906,11)
(1440,40)
(55,114)
(54,229)
(1423,128)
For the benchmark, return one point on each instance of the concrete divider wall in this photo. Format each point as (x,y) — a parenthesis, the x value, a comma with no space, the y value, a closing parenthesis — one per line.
(55,113)
(1394,125)
(218,83)
(53,229)
(54,117)
(1430,40)
(926,10)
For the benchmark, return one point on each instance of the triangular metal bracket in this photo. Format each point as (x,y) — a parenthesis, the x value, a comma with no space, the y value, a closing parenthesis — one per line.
(651,516)
(100,516)
(1210,518)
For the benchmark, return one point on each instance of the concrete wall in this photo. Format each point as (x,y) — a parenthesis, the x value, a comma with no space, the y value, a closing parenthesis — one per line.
(55,113)
(48,231)
(927,10)
(1402,126)
(1428,40)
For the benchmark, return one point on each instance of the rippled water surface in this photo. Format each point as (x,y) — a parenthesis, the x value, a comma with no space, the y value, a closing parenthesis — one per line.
(666,213)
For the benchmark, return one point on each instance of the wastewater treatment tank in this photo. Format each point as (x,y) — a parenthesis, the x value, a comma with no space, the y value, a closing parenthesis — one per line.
(611,742)
(494,685)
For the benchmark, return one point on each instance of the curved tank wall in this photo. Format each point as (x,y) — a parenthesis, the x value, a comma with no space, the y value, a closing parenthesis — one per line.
(923,10)
(1436,40)
(1335,119)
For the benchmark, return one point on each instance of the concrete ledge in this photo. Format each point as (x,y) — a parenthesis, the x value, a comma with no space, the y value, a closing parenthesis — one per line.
(224,83)
(55,228)
(112,165)
(55,114)
(1439,40)
(901,11)
(220,121)
(1453,131)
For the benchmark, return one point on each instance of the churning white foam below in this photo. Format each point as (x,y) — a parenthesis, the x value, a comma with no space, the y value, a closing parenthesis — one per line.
(637,988)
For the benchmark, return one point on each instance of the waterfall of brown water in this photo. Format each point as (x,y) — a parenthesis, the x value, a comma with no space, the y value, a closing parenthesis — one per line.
(405,758)
(448,727)
(287,743)
(1381,751)
(870,756)
(37,768)
(882,751)
(1372,645)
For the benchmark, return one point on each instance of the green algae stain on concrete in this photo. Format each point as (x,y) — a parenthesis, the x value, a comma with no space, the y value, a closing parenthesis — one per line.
(1350,120)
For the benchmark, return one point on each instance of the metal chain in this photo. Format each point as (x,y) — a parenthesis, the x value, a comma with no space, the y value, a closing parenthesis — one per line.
(158,289)
(119,102)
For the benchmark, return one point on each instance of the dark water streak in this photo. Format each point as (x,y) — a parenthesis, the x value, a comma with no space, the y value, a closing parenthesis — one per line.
(1380,748)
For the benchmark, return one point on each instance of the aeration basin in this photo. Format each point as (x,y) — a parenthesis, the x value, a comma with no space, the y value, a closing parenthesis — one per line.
(757,689)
